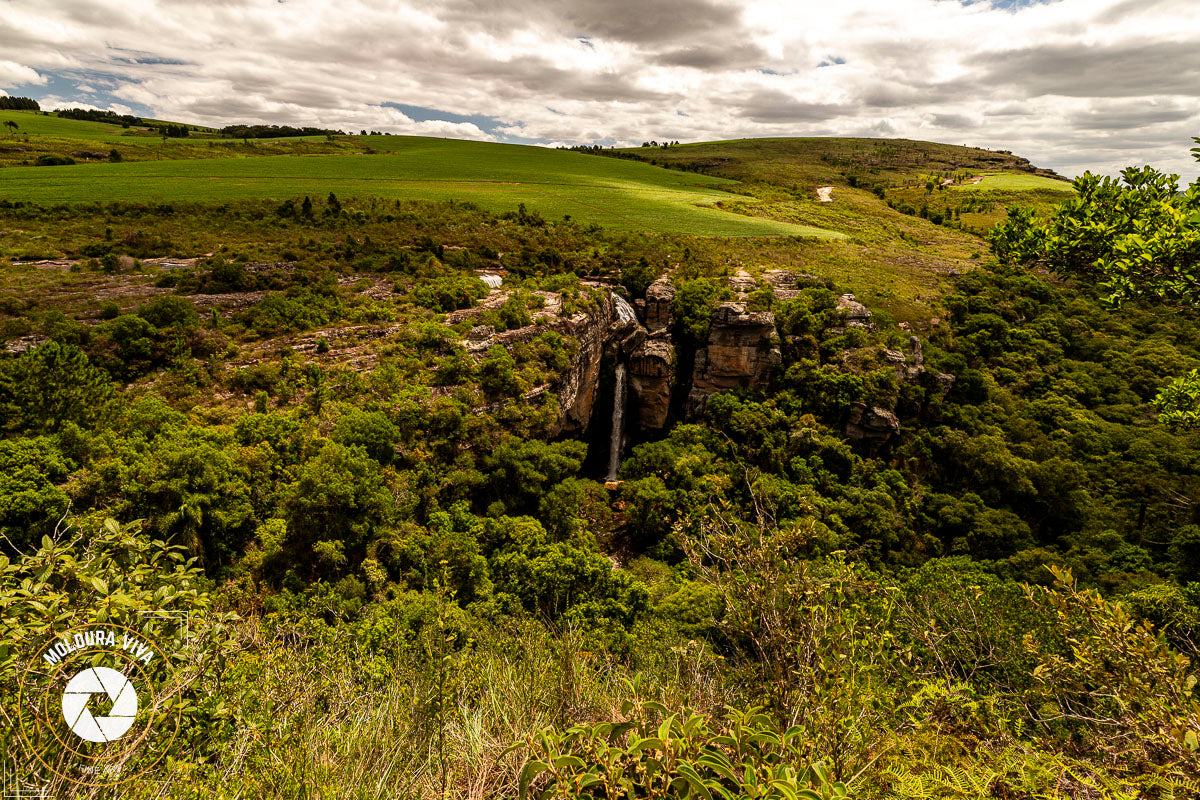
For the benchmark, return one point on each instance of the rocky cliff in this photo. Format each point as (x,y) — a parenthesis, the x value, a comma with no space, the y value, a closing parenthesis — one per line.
(652,373)
(742,351)
(593,330)
(652,379)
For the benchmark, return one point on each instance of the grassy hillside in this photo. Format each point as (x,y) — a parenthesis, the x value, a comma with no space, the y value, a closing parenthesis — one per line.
(872,176)
(815,161)
(36,124)
(1011,181)
(617,194)
(894,258)
(40,134)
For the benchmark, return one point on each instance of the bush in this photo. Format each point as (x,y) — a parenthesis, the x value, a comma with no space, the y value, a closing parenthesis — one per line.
(53,161)
(448,294)
(162,312)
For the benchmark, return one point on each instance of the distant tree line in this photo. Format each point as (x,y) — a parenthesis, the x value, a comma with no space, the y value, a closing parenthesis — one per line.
(18,104)
(273,131)
(170,131)
(95,115)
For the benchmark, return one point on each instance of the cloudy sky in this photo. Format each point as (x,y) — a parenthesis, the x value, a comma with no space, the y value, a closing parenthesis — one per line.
(1070,84)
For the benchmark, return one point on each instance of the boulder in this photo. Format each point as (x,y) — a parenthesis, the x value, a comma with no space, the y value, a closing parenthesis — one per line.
(855,314)
(871,424)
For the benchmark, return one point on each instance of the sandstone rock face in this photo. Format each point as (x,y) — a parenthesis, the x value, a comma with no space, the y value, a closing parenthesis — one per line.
(658,305)
(624,331)
(742,283)
(742,350)
(651,377)
(591,330)
(853,312)
(871,423)
(577,389)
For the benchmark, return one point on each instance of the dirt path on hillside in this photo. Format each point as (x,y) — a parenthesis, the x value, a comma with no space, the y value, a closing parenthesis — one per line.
(825,194)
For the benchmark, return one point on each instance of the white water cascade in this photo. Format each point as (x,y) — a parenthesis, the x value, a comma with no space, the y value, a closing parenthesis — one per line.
(618,424)
(625,312)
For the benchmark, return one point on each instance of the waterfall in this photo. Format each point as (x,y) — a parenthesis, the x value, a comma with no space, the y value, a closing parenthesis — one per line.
(618,424)
(625,312)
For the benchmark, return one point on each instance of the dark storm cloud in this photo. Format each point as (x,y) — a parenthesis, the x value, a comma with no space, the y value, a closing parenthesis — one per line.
(713,57)
(1133,115)
(954,121)
(1129,69)
(634,21)
(774,106)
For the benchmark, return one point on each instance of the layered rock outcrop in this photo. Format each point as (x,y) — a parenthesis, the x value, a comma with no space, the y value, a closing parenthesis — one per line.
(741,353)
(659,297)
(652,373)
(652,378)
(592,329)
(871,423)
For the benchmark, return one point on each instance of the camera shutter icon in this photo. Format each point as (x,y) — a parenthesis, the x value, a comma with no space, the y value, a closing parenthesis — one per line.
(99,681)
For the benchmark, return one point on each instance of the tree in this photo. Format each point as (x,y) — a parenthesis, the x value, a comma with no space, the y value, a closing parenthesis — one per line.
(52,385)
(12,127)
(370,430)
(335,508)
(1138,236)
(31,472)
(1134,237)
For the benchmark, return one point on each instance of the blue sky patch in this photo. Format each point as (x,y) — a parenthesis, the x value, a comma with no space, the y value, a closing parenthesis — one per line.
(66,85)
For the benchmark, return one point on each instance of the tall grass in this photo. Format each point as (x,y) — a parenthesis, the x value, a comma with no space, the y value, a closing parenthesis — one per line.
(327,720)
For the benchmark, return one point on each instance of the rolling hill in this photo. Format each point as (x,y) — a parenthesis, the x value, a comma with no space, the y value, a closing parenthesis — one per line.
(884,230)
(619,194)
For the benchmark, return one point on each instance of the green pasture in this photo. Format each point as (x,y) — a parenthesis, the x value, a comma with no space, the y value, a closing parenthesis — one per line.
(616,193)
(1015,182)
(32,123)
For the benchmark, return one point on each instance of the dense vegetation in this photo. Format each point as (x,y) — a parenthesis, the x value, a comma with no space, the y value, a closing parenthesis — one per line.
(96,115)
(8,103)
(406,584)
(274,131)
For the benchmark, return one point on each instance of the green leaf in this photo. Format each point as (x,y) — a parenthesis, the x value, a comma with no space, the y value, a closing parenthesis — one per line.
(719,764)
(649,743)
(568,761)
(694,781)
(531,770)
(785,789)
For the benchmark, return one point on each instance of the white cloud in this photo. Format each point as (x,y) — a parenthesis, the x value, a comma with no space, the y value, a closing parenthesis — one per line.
(14,74)
(1072,84)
